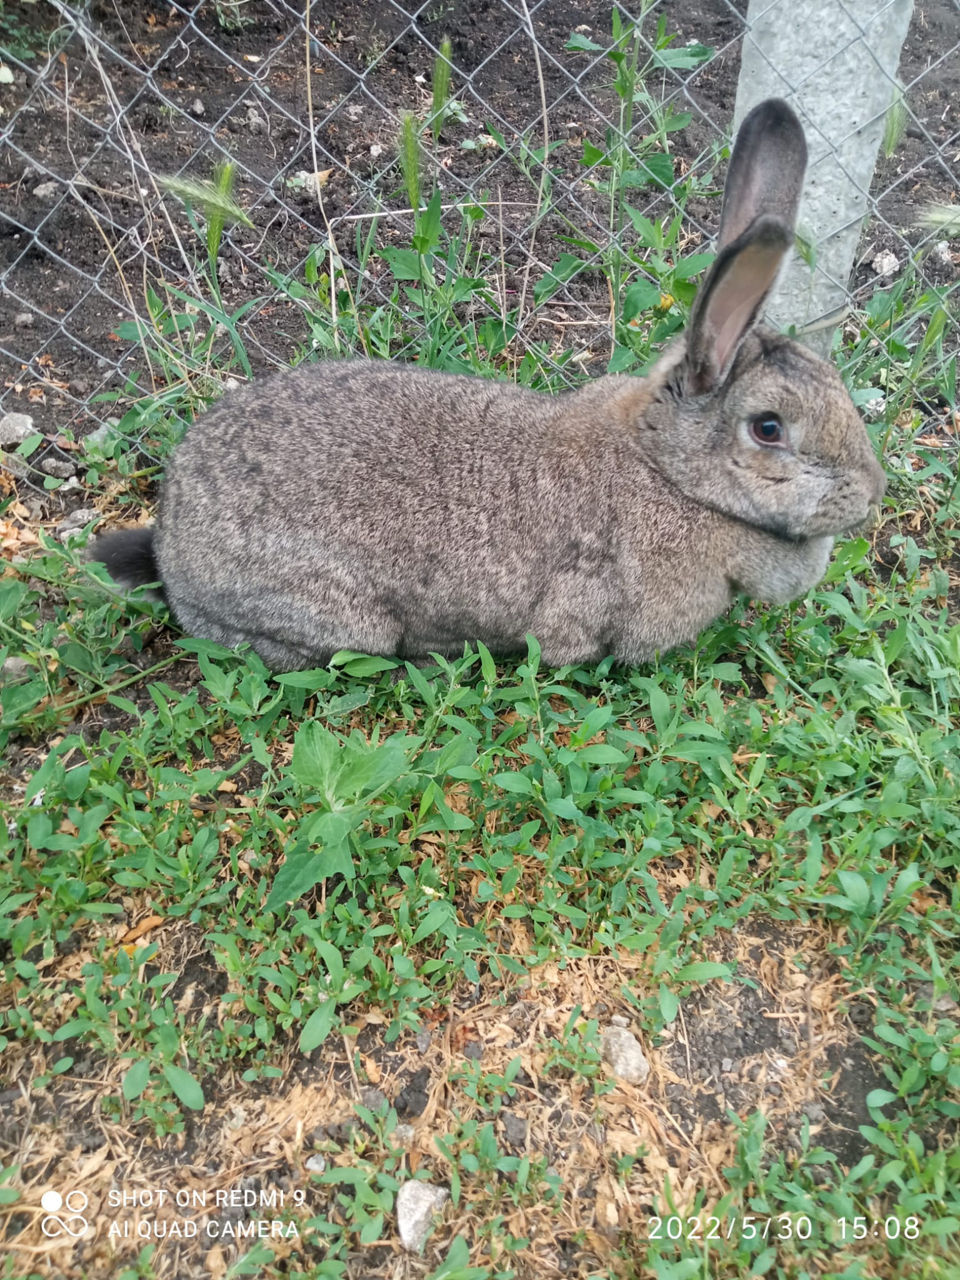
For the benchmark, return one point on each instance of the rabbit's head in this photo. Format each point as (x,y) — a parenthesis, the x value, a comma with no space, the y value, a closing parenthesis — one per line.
(740,418)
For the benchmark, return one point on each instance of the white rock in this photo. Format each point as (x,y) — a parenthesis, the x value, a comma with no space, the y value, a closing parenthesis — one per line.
(14,429)
(417,1202)
(621,1049)
(46,190)
(16,466)
(23,320)
(886,263)
(101,436)
(59,468)
(197,107)
(316,1164)
(939,254)
(73,523)
(14,669)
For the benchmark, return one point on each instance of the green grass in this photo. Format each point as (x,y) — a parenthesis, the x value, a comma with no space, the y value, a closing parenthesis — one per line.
(375,850)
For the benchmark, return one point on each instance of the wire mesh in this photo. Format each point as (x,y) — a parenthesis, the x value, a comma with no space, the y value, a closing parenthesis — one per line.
(569,139)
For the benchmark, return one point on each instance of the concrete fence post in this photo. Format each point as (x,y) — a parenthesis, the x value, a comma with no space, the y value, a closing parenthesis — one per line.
(835,61)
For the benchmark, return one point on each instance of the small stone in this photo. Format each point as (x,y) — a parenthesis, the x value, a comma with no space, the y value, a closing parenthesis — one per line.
(47,190)
(14,669)
(376,150)
(23,320)
(417,1202)
(69,485)
(74,523)
(197,107)
(14,429)
(404,1134)
(886,263)
(316,1164)
(514,1128)
(16,466)
(255,121)
(102,436)
(726,1064)
(621,1049)
(59,468)
(423,1040)
(618,1020)
(372,1098)
(941,256)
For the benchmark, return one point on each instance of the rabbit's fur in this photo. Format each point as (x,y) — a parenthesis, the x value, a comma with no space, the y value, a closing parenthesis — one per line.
(370,506)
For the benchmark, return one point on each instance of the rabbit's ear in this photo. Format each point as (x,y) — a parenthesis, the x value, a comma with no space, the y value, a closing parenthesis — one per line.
(730,299)
(765,175)
(760,202)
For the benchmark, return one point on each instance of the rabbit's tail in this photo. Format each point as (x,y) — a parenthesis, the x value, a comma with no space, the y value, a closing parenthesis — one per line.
(128,555)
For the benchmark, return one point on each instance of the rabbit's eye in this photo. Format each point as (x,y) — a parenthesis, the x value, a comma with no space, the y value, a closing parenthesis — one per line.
(766,428)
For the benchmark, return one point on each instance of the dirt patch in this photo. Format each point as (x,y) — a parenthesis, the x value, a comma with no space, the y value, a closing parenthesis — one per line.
(783,1040)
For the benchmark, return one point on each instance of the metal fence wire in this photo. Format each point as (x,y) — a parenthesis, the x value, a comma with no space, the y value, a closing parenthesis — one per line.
(577,151)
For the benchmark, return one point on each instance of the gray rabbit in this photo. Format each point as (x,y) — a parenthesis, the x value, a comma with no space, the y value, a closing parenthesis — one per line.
(371,506)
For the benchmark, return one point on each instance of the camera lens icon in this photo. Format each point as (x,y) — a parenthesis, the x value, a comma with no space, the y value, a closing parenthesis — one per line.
(71,1221)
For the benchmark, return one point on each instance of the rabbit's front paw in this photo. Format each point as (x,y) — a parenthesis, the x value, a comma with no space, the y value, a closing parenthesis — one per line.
(781,571)
(801,569)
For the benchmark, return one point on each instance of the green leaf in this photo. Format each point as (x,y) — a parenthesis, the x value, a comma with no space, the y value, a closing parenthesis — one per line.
(855,887)
(702,971)
(318,1026)
(488,668)
(564,269)
(517,783)
(655,170)
(307,865)
(942,1227)
(692,265)
(642,295)
(363,664)
(404,264)
(578,43)
(333,961)
(136,1079)
(683,59)
(438,914)
(316,757)
(344,769)
(660,710)
(880,1098)
(601,753)
(184,1086)
(669,1004)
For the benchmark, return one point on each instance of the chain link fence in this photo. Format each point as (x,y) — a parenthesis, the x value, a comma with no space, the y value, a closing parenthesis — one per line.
(556,164)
